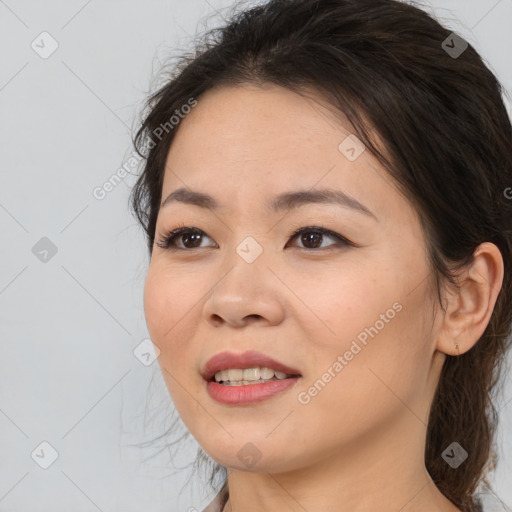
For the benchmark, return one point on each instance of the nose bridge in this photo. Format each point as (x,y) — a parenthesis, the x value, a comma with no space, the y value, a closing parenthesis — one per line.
(249,234)
(246,288)
(246,266)
(250,249)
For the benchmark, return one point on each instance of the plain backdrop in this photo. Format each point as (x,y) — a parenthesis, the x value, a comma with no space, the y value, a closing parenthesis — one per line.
(74,367)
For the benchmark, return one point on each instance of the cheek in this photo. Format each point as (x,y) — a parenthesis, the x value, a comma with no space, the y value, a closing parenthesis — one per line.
(169,300)
(373,321)
(374,382)
(336,306)
(392,366)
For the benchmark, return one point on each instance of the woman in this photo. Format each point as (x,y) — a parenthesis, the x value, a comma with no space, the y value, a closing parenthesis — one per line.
(325,201)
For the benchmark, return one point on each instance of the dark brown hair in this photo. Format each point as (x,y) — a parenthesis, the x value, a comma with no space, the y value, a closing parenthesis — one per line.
(448,146)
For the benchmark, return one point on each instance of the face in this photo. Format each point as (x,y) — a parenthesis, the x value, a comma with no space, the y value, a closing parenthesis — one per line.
(349,308)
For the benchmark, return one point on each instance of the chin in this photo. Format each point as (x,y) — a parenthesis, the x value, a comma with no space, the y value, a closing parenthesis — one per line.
(254,457)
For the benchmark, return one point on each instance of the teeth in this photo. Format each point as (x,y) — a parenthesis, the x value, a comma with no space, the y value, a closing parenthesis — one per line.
(266,373)
(248,374)
(235,374)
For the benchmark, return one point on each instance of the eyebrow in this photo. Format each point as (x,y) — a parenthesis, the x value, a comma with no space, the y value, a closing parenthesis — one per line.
(285,201)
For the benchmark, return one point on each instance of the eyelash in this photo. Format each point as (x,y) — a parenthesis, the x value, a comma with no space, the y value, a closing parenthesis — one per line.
(166,241)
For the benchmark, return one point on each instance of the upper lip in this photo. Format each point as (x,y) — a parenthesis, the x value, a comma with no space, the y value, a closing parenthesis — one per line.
(251,359)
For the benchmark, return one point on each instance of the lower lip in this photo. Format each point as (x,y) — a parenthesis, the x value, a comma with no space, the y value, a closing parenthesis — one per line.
(248,394)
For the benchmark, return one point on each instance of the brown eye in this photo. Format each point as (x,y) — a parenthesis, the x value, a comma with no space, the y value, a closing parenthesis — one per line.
(312,237)
(190,238)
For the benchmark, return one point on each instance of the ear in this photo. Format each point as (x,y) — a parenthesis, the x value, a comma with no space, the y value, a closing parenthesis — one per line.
(470,308)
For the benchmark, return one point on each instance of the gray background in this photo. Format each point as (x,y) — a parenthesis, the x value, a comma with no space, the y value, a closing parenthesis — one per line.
(70,323)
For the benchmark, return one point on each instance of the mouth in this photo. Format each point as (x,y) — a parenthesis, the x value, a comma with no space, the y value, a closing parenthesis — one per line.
(249,368)
(249,376)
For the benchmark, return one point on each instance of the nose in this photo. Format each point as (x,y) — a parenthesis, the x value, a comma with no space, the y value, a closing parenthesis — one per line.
(245,296)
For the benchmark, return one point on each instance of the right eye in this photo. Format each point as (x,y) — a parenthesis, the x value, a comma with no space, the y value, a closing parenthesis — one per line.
(188,236)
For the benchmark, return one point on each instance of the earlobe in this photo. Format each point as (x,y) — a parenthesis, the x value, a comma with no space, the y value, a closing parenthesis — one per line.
(470,307)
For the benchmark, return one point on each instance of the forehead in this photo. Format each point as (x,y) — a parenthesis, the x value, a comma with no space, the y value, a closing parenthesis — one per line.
(250,120)
(250,142)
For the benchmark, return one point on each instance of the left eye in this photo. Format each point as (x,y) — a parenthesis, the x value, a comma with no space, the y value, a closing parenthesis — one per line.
(314,234)
(191,238)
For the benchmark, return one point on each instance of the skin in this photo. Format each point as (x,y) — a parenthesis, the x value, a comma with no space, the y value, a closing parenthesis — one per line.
(358,445)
